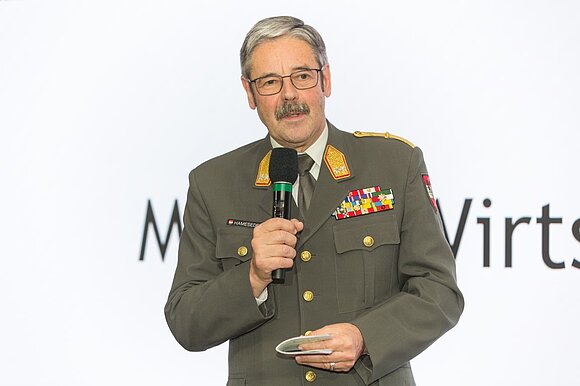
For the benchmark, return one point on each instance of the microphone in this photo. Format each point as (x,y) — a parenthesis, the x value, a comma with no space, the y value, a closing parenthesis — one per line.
(283,173)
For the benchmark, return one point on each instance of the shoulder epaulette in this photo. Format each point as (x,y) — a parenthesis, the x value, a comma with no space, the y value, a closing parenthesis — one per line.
(386,135)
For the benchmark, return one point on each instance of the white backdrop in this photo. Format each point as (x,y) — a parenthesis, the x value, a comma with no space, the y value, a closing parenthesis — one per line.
(106,105)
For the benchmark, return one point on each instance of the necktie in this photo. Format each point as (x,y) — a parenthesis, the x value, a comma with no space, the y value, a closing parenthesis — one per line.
(306,182)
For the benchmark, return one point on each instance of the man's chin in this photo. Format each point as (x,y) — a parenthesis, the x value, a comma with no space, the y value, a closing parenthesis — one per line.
(298,140)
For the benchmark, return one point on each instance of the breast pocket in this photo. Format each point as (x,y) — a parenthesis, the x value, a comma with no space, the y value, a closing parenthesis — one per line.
(234,246)
(366,260)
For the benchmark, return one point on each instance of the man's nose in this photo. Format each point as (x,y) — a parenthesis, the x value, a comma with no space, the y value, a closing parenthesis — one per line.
(289,92)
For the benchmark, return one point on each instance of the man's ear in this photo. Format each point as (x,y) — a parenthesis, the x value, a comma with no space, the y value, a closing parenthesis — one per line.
(326,83)
(249,92)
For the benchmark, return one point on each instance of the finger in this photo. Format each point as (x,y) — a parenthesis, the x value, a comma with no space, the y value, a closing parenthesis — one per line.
(313,359)
(270,263)
(278,262)
(276,250)
(326,364)
(298,224)
(307,360)
(324,344)
(278,237)
(276,223)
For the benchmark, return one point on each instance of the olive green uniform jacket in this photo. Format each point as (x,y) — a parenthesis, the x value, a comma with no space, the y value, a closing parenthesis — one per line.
(401,291)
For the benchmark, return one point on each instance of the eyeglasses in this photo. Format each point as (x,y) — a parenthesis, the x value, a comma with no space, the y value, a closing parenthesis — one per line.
(301,79)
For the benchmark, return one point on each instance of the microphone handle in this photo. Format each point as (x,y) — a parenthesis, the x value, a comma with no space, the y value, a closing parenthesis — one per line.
(281,208)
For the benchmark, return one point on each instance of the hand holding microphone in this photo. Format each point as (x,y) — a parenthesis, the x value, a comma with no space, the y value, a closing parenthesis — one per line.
(275,239)
(283,172)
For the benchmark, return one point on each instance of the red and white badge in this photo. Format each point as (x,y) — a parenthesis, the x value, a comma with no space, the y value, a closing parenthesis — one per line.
(427,182)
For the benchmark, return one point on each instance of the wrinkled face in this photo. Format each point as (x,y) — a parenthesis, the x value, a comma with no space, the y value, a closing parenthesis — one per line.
(288,121)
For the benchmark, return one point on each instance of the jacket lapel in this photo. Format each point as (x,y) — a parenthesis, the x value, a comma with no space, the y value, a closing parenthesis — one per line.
(328,193)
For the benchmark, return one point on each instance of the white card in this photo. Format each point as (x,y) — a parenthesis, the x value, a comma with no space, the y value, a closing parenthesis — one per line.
(290,346)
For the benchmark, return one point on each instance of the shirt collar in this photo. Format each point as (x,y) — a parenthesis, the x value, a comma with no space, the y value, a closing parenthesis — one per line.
(316,150)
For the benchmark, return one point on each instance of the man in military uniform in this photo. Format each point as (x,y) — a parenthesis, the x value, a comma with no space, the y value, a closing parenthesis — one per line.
(366,259)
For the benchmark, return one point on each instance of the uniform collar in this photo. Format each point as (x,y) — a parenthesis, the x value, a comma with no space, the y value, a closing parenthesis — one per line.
(329,147)
(315,151)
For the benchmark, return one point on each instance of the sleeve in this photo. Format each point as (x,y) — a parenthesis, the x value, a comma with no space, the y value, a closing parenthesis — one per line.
(207,305)
(429,303)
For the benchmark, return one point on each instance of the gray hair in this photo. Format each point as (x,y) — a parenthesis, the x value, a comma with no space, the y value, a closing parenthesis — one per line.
(275,27)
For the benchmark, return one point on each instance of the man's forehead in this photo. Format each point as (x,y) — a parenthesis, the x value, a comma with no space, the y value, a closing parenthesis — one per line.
(284,53)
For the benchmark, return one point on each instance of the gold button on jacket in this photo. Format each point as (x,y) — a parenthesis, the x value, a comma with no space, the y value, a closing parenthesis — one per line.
(310,376)
(305,255)
(368,241)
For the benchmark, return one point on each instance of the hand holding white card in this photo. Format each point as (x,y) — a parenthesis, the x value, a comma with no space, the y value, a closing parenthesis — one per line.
(290,346)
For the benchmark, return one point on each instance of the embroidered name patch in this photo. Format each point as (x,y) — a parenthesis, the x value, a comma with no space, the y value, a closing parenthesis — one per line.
(364,201)
(242,223)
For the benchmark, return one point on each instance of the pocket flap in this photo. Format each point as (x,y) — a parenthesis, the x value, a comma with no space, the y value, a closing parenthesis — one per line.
(366,233)
(234,242)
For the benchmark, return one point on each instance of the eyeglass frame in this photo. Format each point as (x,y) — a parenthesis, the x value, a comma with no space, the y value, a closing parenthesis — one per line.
(318,71)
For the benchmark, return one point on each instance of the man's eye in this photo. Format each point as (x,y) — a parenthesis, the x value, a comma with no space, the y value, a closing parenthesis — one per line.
(269,82)
(304,76)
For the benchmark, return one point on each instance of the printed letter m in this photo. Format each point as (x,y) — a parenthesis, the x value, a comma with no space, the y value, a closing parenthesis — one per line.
(150,220)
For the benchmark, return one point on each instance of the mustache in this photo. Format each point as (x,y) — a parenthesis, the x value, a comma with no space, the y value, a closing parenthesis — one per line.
(288,109)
